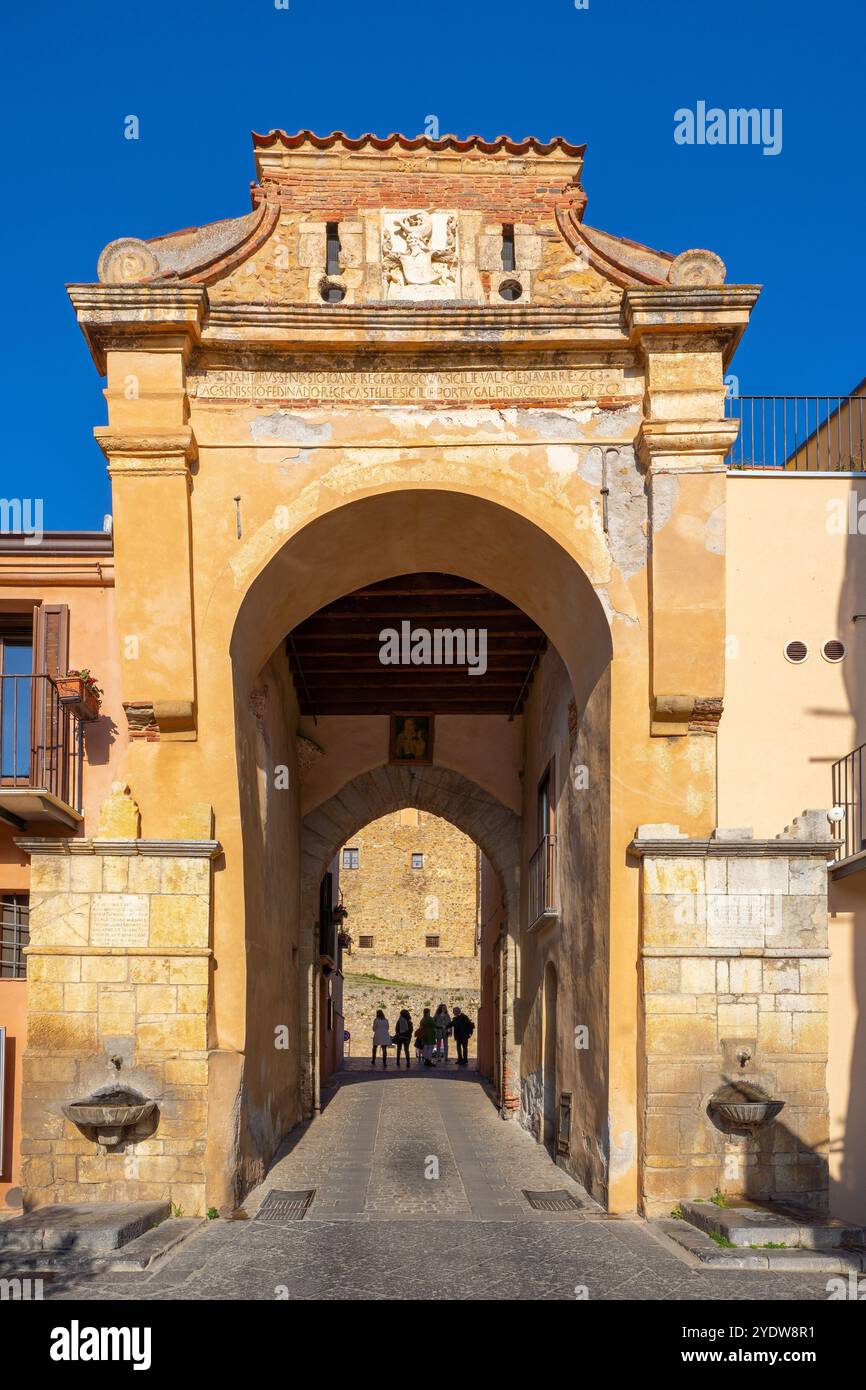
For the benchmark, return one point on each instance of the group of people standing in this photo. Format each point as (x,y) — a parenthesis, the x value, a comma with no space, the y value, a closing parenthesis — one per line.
(431,1036)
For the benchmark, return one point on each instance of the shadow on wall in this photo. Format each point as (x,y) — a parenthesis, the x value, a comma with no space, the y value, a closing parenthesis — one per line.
(847,1021)
(98,739)
(847,903)
(773,1163)
(8,1101)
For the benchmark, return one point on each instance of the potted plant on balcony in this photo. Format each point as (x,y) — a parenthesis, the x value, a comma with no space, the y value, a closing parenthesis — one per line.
(80,693)
(339,915)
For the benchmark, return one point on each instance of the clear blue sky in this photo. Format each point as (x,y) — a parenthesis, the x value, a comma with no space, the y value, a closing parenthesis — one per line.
(201,76)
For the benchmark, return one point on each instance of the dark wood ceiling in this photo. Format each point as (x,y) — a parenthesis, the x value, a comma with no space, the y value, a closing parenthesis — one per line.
(335,654)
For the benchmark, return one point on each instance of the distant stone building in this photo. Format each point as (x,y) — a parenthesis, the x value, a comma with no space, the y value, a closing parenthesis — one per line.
(410,884)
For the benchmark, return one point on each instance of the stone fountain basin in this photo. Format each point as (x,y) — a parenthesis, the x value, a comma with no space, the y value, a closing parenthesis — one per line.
(111,1110)
(751,1113)
(744,1106)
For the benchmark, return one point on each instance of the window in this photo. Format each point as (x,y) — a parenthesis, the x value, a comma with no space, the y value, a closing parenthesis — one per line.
(431,941)
(542,864)
(417,861)
(16,669)
(332,252)
(331,290)
(351,859)
(509,261)
(545,805)
(365,943)
(14,935)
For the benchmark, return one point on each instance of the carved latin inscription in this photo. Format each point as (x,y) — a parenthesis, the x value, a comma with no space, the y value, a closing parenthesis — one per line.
(466,385)
(119,919)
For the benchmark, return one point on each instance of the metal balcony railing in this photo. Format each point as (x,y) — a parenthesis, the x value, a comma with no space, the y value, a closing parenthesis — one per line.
(848,794)
(40,740)
(801,434)
(542,881)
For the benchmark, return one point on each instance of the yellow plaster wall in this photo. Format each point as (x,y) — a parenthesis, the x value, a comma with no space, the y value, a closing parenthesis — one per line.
(792,575)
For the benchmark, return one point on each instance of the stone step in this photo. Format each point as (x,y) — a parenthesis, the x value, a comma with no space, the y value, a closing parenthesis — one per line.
(87,1230)
(700,1246)
(746,1224)
(135,1257)
(152,1246)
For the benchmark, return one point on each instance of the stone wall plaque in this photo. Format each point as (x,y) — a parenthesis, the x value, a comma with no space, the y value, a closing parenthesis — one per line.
(119,919)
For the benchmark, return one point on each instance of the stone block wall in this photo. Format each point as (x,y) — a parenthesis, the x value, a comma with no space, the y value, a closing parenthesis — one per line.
(433,973)
(734,989)
(399,906)
(363,997)
(118,993)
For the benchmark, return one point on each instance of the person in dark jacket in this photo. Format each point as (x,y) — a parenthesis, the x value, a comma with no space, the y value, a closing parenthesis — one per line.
(403,1034)
(427,1035)
(462,1027)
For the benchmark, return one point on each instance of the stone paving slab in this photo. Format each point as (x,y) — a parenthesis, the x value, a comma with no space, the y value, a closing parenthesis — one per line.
(433,1145)
(472,1261)
(380,1230)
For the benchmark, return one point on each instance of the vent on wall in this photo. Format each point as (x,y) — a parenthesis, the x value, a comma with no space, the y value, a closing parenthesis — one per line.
(834,650)
(796,652)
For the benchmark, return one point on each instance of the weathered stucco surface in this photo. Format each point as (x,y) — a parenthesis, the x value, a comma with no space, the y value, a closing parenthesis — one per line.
(565,449)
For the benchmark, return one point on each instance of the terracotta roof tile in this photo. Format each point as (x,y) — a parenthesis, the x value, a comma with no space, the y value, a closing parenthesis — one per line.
(558,145)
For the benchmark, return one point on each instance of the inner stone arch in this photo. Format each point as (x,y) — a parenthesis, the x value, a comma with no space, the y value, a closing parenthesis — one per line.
(439,790)
(491,825)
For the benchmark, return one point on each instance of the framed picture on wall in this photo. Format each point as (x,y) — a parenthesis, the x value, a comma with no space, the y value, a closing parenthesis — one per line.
(411,738)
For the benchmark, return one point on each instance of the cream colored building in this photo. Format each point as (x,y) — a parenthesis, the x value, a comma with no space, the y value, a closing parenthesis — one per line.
(414,384)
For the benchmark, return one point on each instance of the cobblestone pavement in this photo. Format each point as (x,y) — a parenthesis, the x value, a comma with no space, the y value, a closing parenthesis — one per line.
(381,1229)
(415,1144)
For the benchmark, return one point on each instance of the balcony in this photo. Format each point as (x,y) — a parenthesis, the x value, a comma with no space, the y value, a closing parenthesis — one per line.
(542,883)
(800,434)
(40,754)
(850,831)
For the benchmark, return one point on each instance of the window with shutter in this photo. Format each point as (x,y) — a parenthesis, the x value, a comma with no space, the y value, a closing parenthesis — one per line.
(52,639)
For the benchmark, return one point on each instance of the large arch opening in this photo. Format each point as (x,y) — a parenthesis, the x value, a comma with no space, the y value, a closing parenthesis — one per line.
(540,709)
(493,827)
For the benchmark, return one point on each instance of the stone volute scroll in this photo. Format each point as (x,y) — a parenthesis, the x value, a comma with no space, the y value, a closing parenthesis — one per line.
(126,262)
(694,268)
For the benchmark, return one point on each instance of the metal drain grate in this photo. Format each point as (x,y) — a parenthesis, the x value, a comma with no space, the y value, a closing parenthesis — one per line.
(280,1207)
(552,1201)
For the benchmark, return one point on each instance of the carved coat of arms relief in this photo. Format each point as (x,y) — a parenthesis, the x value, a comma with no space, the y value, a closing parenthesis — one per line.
(419,255)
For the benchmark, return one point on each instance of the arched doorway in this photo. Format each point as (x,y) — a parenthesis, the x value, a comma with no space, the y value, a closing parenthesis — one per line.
(341,778)
(493,827)
(549,1049)
(486,1024)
